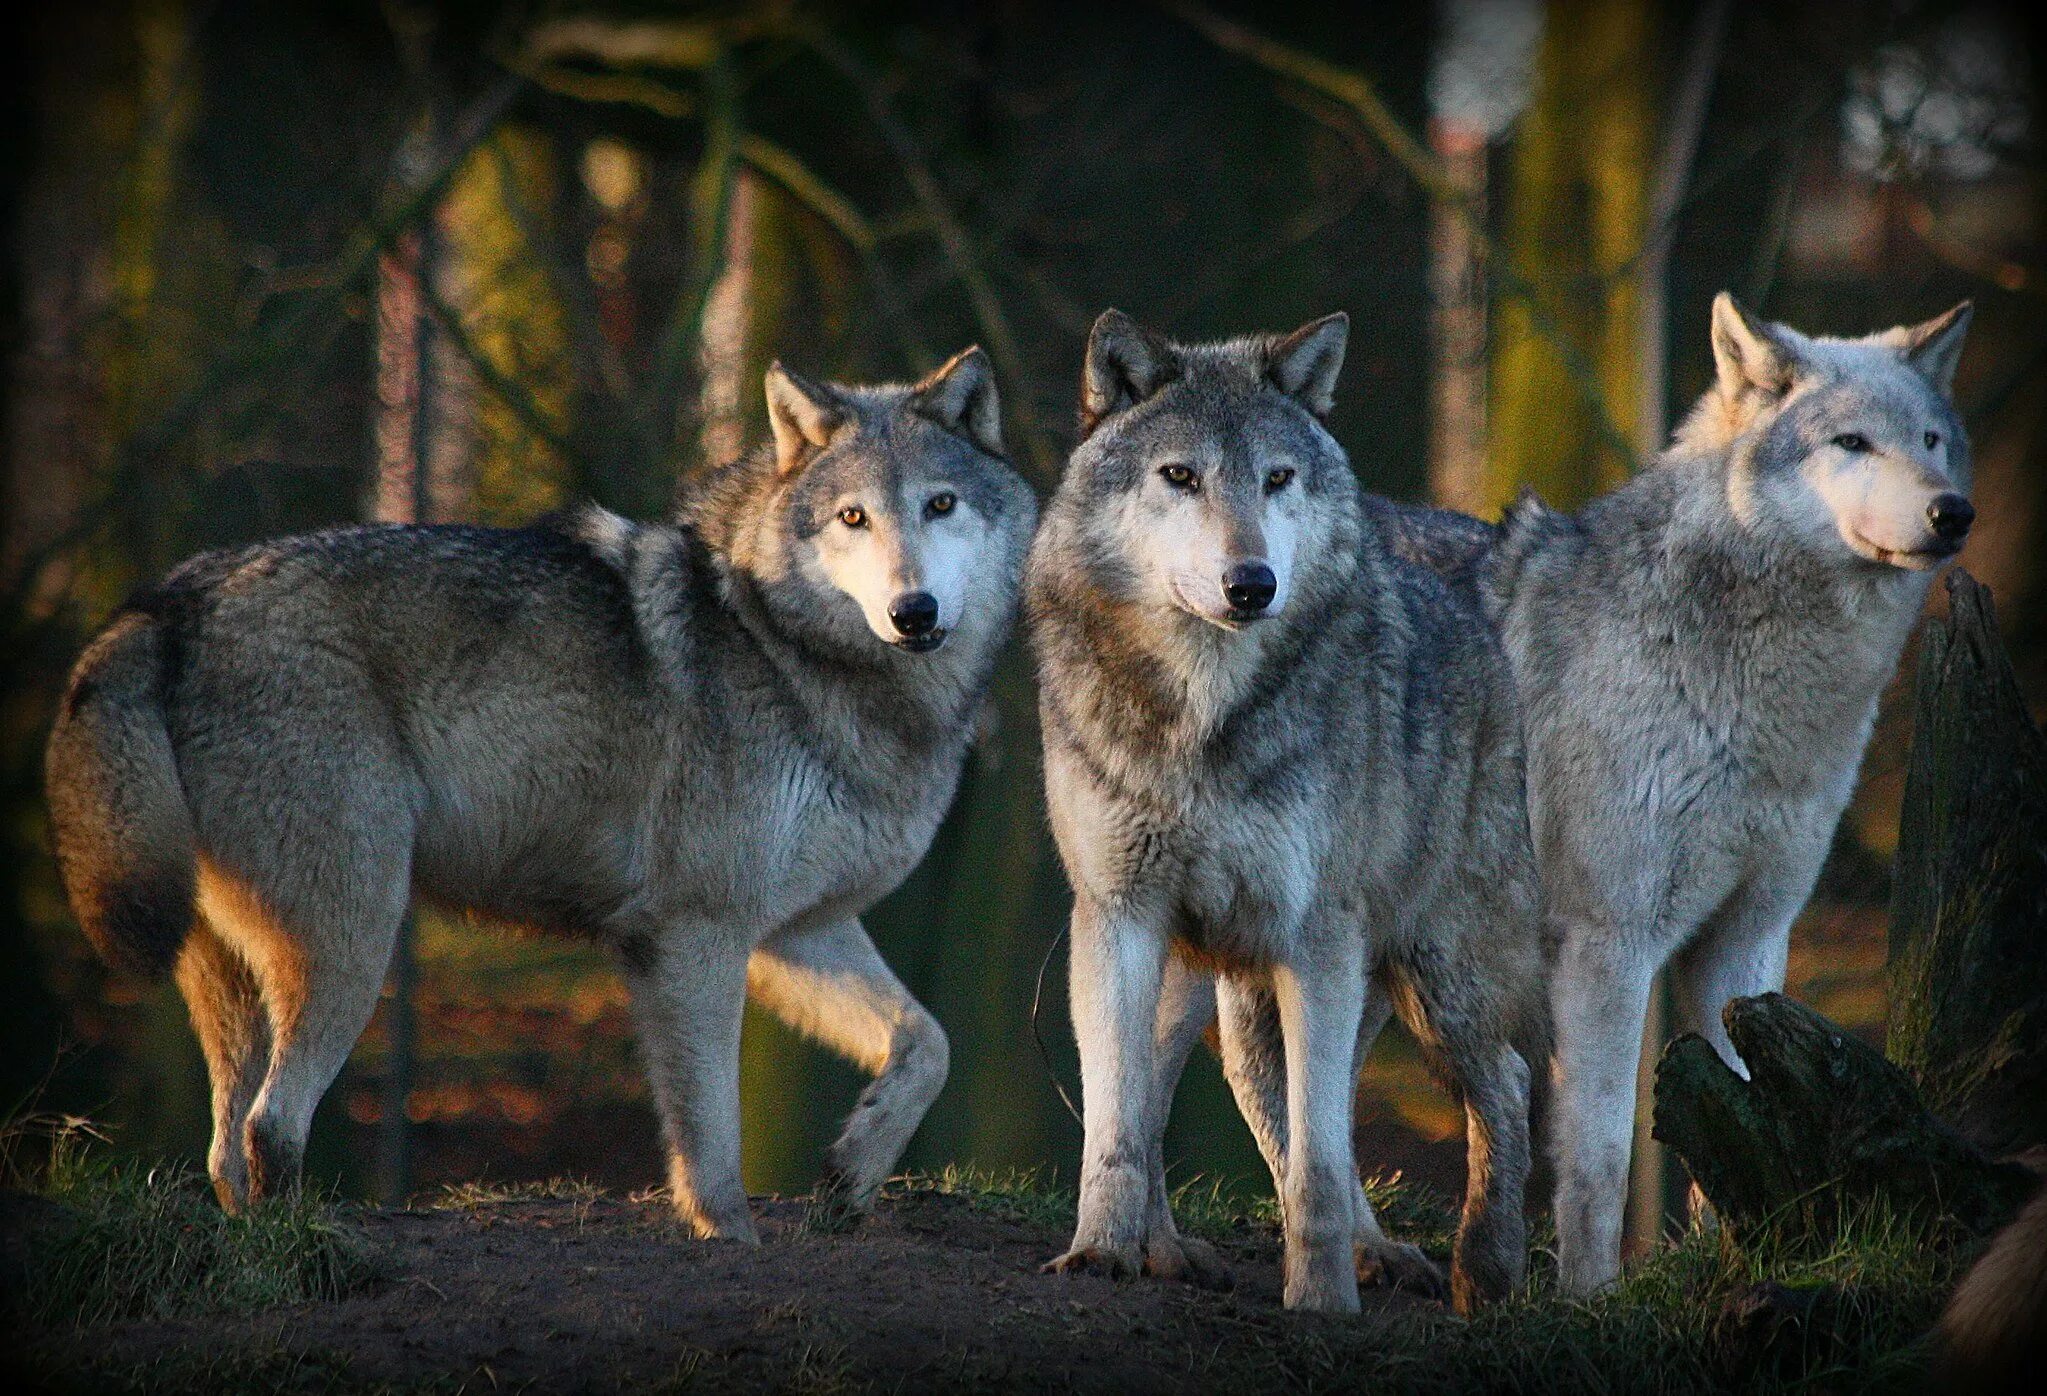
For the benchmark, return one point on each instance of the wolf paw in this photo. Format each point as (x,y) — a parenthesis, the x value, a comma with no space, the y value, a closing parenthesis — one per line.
(1398,1265)
(1188,1261)
(1113,1262)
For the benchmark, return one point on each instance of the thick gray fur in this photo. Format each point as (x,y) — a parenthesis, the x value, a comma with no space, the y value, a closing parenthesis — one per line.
(1322,810)
(687,741)
(1699,654)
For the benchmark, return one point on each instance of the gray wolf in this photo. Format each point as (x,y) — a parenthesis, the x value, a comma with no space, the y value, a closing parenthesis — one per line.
(708,744)
(1280,759)
(1699,656)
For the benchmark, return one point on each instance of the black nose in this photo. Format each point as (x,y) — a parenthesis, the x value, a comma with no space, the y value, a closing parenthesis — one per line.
(914,613)
(1249,586)
(1950,515)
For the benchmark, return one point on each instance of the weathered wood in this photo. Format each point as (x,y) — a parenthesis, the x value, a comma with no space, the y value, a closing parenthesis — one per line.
(1968,955)
(1823,1127)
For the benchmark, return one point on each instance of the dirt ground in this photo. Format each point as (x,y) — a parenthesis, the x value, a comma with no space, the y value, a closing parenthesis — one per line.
(934,1293)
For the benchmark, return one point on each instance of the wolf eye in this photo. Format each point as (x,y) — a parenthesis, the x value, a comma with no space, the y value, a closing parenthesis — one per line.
(853,516)
(1276,480)
(1853,442)
(1178,476)
(942,503)
(1932,440)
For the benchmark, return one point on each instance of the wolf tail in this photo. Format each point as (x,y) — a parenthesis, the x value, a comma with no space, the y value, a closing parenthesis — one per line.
(123,831)
(1995,1326)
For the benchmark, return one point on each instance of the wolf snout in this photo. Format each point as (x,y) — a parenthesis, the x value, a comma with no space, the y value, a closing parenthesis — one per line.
(1249,587)
(914,614)
(1949,516)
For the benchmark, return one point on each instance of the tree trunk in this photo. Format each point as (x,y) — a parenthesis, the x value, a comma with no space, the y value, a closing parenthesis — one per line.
(1823,1127)
(1968,962)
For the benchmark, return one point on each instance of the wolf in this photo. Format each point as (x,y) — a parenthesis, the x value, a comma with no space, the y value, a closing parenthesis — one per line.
(707,744)
(1280,759)
(1699,656)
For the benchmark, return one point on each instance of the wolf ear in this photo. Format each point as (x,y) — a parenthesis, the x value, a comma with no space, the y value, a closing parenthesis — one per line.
(960,396)
(1935,347)
(803,415)
(1749,353)
(1304,364)
(1126,363)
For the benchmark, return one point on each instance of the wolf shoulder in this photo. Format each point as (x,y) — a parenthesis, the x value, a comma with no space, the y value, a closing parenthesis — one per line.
(582,605)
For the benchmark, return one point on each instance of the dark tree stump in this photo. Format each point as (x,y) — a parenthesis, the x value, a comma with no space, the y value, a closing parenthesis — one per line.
(1823,1125)
(1968,955)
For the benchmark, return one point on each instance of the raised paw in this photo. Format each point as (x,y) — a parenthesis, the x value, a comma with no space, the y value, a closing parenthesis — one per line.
(1397,1265)
(1112,1262)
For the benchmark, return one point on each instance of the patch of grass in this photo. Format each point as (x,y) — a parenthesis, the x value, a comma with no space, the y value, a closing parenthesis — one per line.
(1032,1197)
(118,1240)
(1704,1315)
(458,1197)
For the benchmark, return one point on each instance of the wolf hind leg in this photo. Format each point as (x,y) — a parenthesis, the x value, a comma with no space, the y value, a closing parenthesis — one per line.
(832,985)
(318,948)
(1490,1258)
(226,1007)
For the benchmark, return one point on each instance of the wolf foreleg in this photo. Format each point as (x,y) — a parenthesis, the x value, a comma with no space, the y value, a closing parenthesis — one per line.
(832,985)
(1320,1004)
(688,994)
(1186,1007)
(1599,997)
(1254,1063)
(1741,952)
(1118,966)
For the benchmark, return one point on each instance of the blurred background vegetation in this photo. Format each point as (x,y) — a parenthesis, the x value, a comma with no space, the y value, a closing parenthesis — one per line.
(276,266)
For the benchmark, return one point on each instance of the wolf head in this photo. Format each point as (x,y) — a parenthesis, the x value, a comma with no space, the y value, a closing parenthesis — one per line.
(1205,476)
(1848,447)
(884,506)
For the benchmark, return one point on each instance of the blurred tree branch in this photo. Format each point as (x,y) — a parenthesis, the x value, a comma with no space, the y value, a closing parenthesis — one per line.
(267,341)
(1020,402)
(1355,91)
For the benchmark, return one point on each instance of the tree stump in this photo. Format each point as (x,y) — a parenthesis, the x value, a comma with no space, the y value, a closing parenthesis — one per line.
(1823,1126)
(1968,954)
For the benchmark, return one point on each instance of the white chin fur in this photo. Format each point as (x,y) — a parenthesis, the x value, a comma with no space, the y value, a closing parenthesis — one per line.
(1923,555)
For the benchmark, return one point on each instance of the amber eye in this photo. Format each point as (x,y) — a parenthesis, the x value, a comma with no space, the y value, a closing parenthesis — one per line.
(1276,480)
(942,503)
(1932,440)
(1853,442)
(1178,476)
(853,516)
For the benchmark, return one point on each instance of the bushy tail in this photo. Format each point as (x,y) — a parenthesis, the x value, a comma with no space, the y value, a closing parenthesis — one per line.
(123,831)
(1995,1327)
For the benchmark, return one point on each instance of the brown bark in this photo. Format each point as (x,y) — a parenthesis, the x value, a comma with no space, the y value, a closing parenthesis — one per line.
(1823,1129)
(1968,972)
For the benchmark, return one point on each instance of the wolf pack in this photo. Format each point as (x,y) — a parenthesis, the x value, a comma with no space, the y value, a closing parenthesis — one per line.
(1313,759)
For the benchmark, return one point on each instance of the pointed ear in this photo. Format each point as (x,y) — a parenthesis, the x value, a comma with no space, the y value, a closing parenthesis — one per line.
(803,415)
(1935,347)
(1749,353)
(960,396)
(1126,363)
(1304,364)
